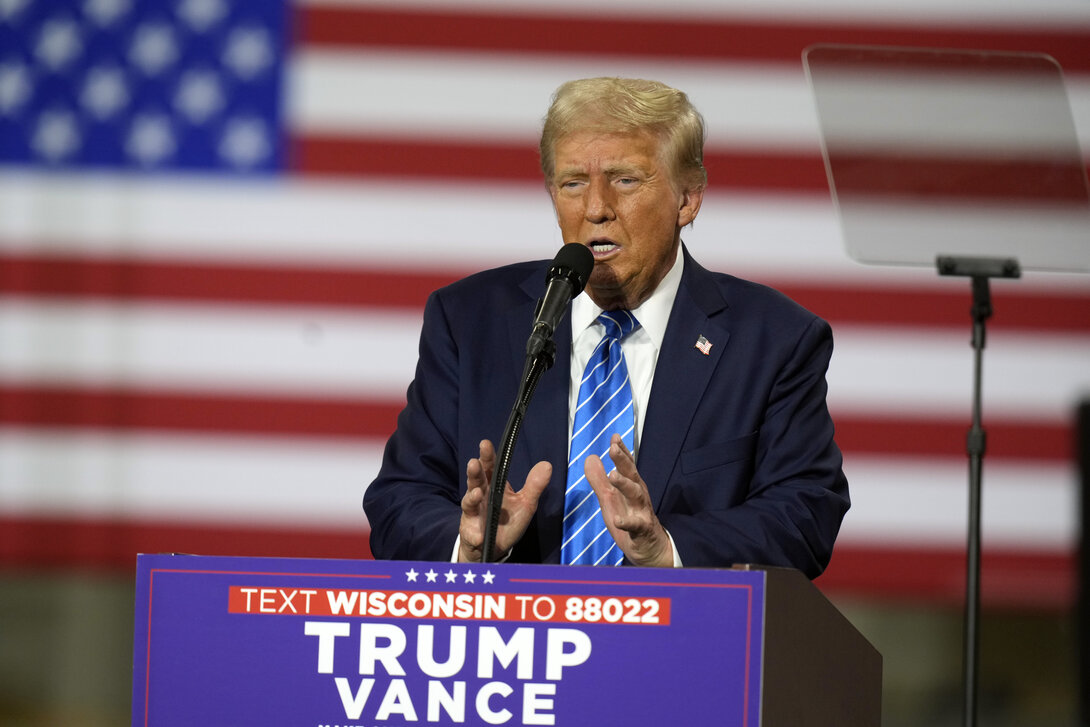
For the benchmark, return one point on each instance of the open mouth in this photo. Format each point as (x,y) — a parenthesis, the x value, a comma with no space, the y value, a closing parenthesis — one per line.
(602,247)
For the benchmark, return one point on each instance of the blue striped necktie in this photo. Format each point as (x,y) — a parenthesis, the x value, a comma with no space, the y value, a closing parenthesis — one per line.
(604,407)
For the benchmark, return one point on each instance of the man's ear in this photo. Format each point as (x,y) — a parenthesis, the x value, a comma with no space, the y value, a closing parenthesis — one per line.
(689,205)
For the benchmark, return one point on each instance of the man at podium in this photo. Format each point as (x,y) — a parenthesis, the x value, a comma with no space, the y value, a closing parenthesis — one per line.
(685,422)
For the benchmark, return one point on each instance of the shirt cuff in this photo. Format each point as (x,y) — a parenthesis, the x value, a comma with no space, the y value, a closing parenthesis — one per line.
(458,544)
(673,547)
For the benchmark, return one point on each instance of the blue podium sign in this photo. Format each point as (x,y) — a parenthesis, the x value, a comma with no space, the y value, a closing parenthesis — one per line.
(317,643)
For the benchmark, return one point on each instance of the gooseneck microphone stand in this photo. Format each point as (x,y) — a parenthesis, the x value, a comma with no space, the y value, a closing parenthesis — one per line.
(980,270)
(564,280)
(537,362)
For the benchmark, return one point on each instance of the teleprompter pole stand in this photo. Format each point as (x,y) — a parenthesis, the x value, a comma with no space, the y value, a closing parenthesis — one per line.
(981,271)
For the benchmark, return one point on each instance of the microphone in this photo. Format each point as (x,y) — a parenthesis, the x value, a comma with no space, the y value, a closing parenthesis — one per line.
(565,279)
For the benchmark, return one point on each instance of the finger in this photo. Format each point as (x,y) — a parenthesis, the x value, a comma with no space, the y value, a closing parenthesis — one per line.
(474,474)
(622,458)
(611,498)
(629,489)
(536,482)
(595,473)
(488,457)
(476,487)
(471,501)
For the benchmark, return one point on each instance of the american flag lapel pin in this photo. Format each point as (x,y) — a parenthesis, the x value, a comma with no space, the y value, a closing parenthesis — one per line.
(703,345)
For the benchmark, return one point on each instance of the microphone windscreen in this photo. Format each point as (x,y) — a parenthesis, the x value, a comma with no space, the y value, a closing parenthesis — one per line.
(574,262)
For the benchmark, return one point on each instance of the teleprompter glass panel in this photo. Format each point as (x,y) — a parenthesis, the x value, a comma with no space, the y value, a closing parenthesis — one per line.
(951,152)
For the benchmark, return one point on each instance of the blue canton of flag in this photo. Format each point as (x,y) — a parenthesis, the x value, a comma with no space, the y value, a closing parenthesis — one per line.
(152,84)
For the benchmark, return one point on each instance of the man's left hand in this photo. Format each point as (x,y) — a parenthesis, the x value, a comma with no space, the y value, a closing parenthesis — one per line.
(626,508)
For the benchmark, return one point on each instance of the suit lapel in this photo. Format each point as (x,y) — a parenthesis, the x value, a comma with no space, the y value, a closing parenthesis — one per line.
(682,374)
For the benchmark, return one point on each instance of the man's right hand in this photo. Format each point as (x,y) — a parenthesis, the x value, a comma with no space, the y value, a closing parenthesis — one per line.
(517,511)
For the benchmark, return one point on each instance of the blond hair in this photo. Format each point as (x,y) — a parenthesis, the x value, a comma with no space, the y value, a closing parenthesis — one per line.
(625,105)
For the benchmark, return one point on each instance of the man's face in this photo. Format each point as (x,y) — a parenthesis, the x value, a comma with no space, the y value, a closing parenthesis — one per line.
(615,194)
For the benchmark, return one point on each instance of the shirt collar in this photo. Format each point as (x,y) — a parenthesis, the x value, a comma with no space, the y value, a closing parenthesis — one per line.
(653,315)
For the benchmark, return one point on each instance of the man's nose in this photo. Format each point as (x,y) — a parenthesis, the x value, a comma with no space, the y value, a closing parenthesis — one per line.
(599,201)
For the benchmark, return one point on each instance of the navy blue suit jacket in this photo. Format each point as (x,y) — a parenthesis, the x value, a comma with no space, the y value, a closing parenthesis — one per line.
(737,447)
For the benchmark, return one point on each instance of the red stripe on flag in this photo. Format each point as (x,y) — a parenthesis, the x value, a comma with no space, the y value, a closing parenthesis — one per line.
(362,156)
(65,542)
(747,170)
(1010,577)
(936,437)
(753,170)
(906,306)
(102,278)
(742,40)
(175,280)
(908,178)
(148,410)
(128,410)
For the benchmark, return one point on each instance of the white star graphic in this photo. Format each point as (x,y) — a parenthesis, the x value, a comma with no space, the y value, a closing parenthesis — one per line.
(15,87)
(488,577)
(154,48)
(151,139)
(202,14)
(470,576)
(411,575)
(106,12)
(431,575)
(245,142)
(10,8)
(104,92)
(59,44)
(451,576)
(249,51)
(199,95)
(56,136)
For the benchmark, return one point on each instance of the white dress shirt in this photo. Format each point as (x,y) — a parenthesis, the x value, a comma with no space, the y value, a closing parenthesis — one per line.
(641,347)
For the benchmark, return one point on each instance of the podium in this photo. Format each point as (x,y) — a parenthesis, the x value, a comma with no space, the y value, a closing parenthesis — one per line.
(305,643)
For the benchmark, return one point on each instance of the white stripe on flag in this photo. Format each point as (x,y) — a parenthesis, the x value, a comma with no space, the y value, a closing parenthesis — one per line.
(332,352)
(292,482)
(901,500)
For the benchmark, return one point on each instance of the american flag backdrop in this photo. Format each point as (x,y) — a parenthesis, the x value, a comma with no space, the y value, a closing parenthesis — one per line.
(219,221)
